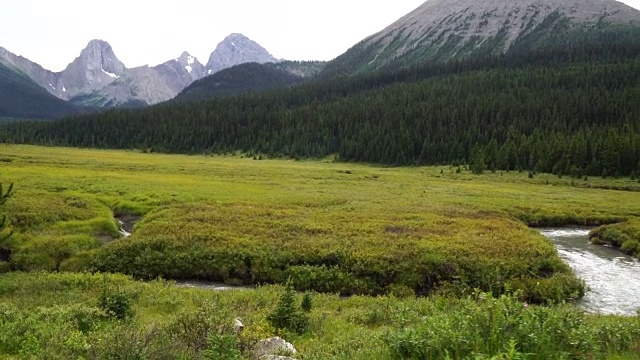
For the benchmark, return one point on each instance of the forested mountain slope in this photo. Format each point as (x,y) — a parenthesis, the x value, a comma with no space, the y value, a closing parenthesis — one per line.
(442,30)
(249,77)
(20,97)
(568,107)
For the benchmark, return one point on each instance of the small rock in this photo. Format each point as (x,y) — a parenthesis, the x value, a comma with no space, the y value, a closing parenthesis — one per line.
(269,348)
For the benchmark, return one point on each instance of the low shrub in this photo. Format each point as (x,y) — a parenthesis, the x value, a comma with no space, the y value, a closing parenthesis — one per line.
(116,304)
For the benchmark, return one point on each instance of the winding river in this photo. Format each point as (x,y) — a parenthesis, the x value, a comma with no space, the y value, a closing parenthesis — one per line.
(613,278)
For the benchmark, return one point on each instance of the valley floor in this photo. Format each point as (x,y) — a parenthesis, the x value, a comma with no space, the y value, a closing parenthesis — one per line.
(329,227)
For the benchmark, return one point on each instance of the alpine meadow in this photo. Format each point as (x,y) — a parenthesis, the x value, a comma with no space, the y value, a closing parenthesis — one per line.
(402,201)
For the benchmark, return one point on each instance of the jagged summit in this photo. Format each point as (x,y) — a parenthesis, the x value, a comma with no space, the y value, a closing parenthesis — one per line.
(189,63)
(237,49)
(439,30)
(98,55)
(96,67)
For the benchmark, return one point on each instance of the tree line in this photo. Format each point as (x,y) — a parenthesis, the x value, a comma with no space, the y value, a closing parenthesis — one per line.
(563,107)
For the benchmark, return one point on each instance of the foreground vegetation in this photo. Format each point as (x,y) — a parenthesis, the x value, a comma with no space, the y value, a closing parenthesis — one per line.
(352,229)
(63,316)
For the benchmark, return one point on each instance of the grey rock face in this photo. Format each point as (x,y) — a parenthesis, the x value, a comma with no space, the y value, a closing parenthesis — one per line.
(146,85)
(139,86)
(237,49)
(181,72)
(96,67)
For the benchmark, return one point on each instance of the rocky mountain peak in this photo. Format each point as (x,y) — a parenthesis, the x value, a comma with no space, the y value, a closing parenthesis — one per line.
(184,56)
(187,61)
(98,78)
(98,55)
(96,67)
(237,49)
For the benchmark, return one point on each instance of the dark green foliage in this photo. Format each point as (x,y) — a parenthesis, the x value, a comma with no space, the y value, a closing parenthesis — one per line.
(222,346)
(244,78)
(20,97)
(307,303)
(115,304)
(477,160)
(286,315)
(569,103)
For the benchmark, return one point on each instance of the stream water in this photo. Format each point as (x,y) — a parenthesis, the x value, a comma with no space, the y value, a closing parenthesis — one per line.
(613,278)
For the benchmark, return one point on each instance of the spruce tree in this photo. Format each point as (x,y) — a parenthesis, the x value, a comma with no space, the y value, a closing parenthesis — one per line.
(287,315)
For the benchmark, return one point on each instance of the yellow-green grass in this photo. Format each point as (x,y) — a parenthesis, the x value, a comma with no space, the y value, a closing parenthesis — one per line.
(58,316)
(336,227)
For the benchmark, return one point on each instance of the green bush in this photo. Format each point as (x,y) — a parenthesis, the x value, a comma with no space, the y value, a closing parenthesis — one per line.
(222,347)
(116,304)
(499,328)
(625,235)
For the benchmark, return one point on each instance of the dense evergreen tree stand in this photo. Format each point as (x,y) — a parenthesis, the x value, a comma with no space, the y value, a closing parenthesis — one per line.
(568,105)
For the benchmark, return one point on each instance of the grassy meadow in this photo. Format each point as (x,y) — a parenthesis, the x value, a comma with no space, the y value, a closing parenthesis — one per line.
(331,227)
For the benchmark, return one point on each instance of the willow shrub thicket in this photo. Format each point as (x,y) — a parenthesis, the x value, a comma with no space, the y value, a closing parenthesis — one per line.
(625,236)
(58,316)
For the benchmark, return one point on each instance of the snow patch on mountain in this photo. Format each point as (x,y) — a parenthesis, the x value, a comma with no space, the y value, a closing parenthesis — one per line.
(112,75)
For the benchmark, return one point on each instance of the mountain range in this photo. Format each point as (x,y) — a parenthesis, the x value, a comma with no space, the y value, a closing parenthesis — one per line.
(97,78)
(437,32)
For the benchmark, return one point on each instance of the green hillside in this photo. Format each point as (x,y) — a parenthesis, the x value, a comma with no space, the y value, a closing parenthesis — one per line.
(250,77)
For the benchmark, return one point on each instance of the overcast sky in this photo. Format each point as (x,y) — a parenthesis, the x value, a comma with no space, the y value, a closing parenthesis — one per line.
(53,32)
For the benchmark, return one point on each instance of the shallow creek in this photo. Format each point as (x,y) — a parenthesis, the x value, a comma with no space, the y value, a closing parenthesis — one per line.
(613,278)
